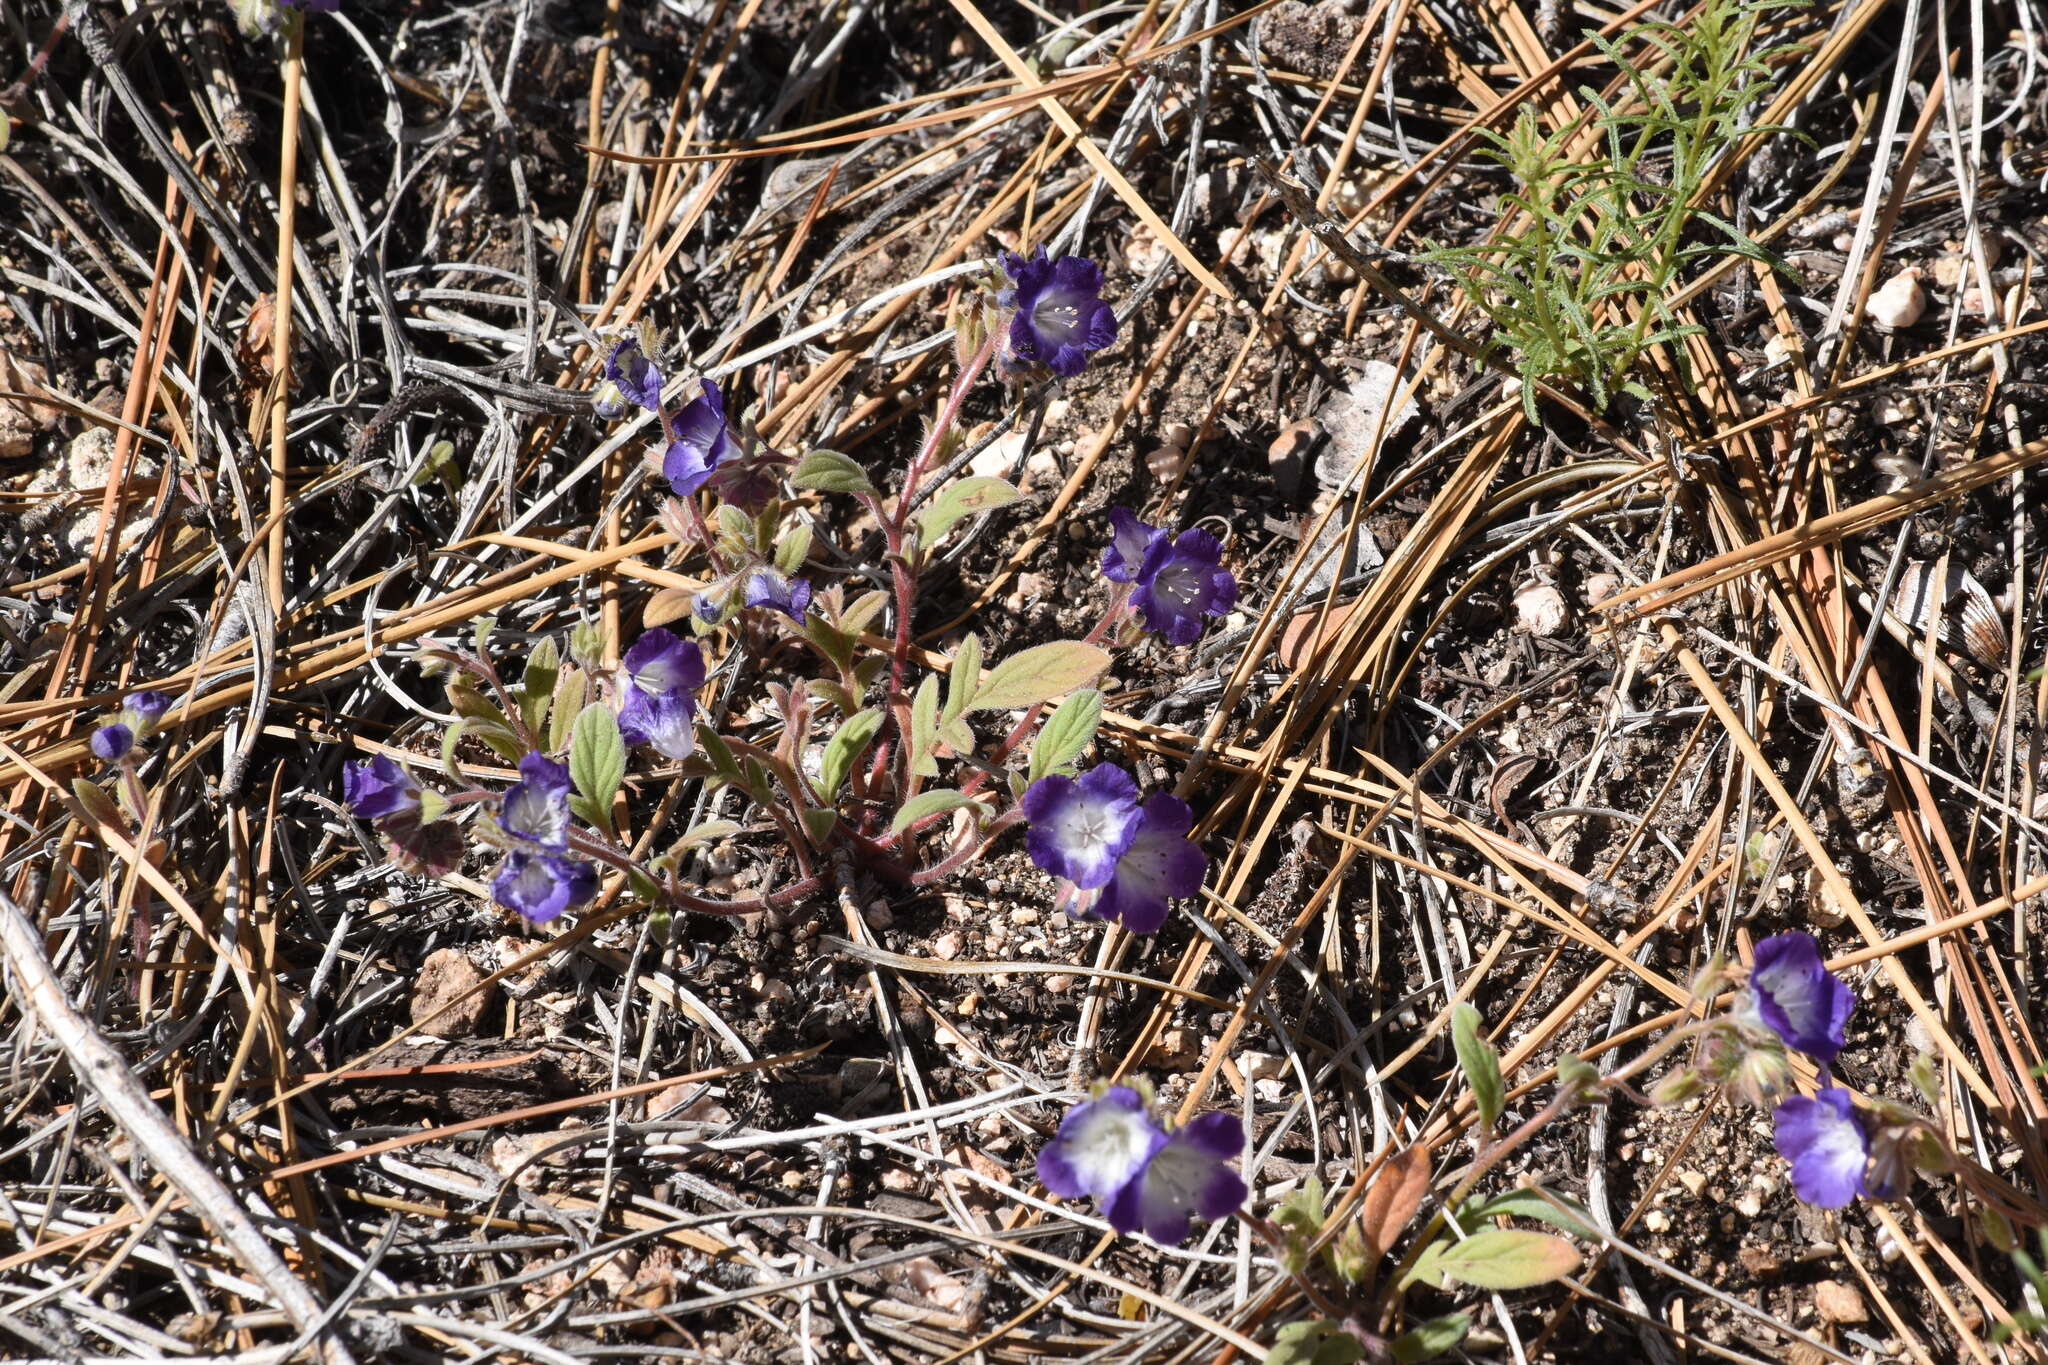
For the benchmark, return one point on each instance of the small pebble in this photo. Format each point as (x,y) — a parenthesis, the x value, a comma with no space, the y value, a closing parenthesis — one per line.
(1900,303)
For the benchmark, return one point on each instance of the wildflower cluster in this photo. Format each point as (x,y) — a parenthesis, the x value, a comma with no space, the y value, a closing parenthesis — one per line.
(140,714)
(1837,1148)
(1141,1174)
(847,763)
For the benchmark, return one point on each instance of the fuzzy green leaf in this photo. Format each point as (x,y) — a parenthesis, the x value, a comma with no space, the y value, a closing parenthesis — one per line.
(830,472)
(1316,1342)
(966,498)
(704,833)
(1040,674)
(924,728)
(793,549)
(935,802)
(1428,1340)
(963,680)
(1480,1063)
(1508,1258)
(537,684)
(597,758)
(864,610)
(844,749)
(97,803)
(1540,1204)
(1066,732)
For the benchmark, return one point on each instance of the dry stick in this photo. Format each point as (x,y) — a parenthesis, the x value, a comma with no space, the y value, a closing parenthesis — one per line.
(105,1072)
(281,309)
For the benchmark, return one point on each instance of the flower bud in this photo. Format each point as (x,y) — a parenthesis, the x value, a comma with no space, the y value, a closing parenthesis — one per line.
(1761,1075)
(1678,1086)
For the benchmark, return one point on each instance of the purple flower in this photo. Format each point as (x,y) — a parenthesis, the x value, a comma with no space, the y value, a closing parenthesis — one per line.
(1192,1174)
(1102,1145)
(665,720)
(112,741)
(1185,584)
(536,808)
(1827,1144)
(655,702)
(1079,829)
(1161,864)
(541,886)
(662,661)
(1793,992)
(790,596)
(142,710)
(699,442)
(630,380)
(379,788)
(1135,549)
(1059,315)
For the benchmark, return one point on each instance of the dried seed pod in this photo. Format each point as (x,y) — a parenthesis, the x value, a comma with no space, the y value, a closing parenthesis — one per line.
(1969,620)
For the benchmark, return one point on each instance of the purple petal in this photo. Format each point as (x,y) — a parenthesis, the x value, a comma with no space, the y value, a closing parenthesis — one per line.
(536,808)
(1101,1146)
(634,375)
(767,588)
(700,441)
(1826,1145)
(1134,550)
(1059,315)
(665,720)
(541,886)
(1194,1174)
(1079,829)
(144,709)
(111,741)
(1161,864)
(662,661)
(1185,586)
(378,789)
(1798,997)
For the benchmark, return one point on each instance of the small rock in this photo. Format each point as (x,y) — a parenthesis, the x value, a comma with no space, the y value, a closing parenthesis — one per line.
(1143,251)
(1838,1303)
(947,946)
(1059,983)
(1287,456)
(1781,348)
(1693,1181)
(897,1179)
(687,1103)
(444,978)
(1656,1220)
(1899,303)
(1024,915)
(1893,412)
(1540,609)
(1261,1066)
(1601,586)
(20,418)
(1749,1205)
(1176,1047)
(1351,418)
(1000,458)
(1164,461)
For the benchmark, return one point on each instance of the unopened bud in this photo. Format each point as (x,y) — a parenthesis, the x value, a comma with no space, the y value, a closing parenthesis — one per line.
(1578,1081)
(1678,1086)
(1762,1075)
(608,401)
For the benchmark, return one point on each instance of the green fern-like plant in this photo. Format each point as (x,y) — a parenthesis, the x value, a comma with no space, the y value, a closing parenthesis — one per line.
(1579,291)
